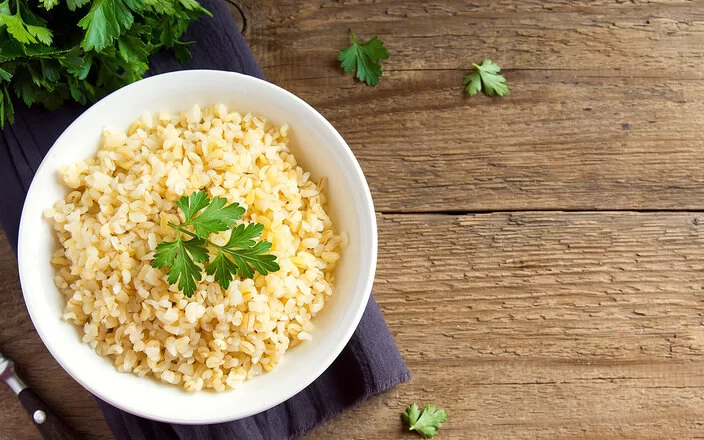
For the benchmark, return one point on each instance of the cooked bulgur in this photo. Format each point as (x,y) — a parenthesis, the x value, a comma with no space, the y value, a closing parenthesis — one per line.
(116,212)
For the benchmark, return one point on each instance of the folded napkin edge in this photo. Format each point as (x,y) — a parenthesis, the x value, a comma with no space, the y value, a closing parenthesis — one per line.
(383,387)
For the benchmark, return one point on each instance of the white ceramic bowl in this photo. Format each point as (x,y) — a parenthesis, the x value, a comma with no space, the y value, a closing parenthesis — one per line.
(318,147)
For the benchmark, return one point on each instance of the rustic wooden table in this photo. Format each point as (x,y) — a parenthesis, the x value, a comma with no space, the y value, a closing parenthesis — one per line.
(541,256)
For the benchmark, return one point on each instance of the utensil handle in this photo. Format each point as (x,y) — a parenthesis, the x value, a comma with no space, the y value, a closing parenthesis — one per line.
(44,418)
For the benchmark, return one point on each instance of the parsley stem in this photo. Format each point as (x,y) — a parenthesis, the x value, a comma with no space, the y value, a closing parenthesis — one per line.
(353,37)
(187,232)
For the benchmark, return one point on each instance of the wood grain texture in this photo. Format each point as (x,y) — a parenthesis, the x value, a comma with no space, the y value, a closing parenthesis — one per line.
(542,325)
(605,110)
(523,324)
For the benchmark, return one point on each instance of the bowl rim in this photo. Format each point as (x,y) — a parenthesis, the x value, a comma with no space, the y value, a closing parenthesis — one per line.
(367,265)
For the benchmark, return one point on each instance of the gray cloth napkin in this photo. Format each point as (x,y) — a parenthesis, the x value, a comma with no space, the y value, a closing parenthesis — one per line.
(369,365)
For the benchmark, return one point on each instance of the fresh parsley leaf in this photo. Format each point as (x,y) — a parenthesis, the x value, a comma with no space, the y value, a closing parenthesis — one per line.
(185,271)
(132,48)
(5,106)
(41,33)
(165,254)
(5,75)
(181,51)
(216,218)
(365,58)
(135,5)
(411,415)
(104,23)
(242,236)
(426,423)
(75,4)
(180,258)
(160,6)
(190,4)
(24,32)
(77,64)
(223,269)
(48,4)
(196,248)
(241,255)
(486,76)
(190,205)
(253,258)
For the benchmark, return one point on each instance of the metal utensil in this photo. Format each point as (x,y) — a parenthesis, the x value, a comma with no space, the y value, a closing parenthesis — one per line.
(45,419)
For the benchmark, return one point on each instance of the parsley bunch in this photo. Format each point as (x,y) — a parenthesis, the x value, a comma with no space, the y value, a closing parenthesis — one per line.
(52,51)
(241,255)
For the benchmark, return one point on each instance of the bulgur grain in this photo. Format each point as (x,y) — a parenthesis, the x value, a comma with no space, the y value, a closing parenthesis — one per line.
(116,211)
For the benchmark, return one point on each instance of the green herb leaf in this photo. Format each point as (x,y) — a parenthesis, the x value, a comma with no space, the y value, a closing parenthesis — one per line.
(196,248)
(185,271)
(76,4)
(486,76)
(247,255)
(161,6)
(223,269)
(23,32)
(254,258)
(190,4)
(181,52)
(190,205)
(7,111)
(365,58)
(242,236)
(105,22)
(5,75)
(216,218)
(166,254)
(426,423)
(241,255)
(48,4)
(180,258)
(132,49)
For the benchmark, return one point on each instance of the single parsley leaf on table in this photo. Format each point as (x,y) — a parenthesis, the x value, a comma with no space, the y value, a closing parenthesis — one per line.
(365,58)
(486,76)
(241,256)
(425,423)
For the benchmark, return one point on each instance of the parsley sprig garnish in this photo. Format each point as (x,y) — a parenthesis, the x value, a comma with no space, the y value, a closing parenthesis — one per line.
(240,256)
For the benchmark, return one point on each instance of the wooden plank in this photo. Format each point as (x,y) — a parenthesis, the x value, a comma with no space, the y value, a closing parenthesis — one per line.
(543,325)
(651,39)
(604,112)
(523,325)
